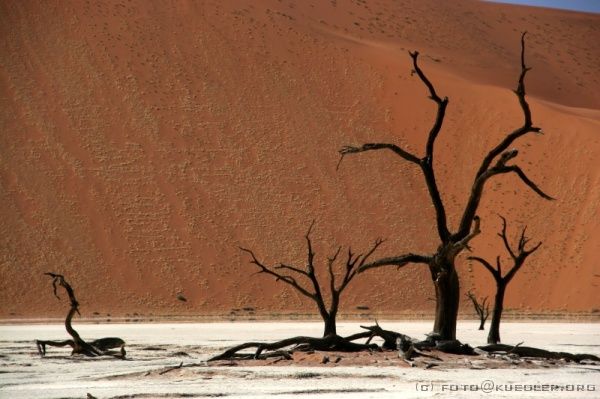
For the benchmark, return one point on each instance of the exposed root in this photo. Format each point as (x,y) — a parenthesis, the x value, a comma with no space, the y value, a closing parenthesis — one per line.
(454,347)
(527,351)
(285,348)
(301,344)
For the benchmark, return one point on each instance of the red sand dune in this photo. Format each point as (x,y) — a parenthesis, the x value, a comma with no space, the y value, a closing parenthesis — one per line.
(142,142)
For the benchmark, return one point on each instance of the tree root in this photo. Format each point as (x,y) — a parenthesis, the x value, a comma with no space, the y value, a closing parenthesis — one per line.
(305,344)
(99,347)
(454,347)
(408,348)
(527,351)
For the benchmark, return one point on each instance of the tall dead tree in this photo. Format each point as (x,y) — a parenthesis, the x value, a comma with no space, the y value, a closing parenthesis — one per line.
(481,308)
(312,288)
(98,347)
(441,263)
(518,257)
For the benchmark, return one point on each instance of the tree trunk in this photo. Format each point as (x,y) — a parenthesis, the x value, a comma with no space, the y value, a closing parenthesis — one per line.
(330,326)
(482,324)
(494,334)
(79,345)
(447,291)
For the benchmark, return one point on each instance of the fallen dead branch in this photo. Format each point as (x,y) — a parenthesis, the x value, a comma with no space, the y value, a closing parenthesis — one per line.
(168,369)
(331,343)
(527,351)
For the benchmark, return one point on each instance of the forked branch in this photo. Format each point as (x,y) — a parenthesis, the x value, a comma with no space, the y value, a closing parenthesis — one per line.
(486,170)
(311,287)
(425,163)
(518,256)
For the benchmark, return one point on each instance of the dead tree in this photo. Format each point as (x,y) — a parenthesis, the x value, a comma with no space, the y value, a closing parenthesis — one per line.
(441,263)
(518,257)
(264,350)
(313,289)
(98,347)
(482,309)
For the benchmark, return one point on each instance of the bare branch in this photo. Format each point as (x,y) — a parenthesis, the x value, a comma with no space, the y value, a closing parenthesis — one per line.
(480,308)
(286,279)
(526,180)
(351,265)
(520,92)
(464,243)
(397,261)
(527,123)
(520,261)
(487,265)
(502,235)
(311,254)
(291,268)
(442,104)
(379,146)
(527,127)
(376,245)
(499,265)
(59,280)
(532,250)
(330,262)
(426,163)
(478,185)
(436,200)
(523,240)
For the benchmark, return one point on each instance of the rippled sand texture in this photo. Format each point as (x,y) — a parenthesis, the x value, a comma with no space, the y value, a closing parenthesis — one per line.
(142,142)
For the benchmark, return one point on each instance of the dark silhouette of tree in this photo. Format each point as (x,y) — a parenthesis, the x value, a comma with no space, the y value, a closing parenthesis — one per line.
(312,288)
(482,308)
(441,263)
(408,348)
(518,257)
(98,347)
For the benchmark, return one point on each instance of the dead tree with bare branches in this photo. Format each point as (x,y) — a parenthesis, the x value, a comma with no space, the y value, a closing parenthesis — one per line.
(97,347)
(518,257)
(441,263)
(312,288)
(306,282)
(482,308)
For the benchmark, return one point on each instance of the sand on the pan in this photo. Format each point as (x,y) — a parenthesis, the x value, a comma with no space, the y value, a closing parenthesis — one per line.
(143,142)
(155,348)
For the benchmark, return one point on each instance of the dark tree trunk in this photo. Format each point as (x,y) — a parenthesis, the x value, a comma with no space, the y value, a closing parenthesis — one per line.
(494,334)
(482,324)
(330,326)
(451,244)
(447,292)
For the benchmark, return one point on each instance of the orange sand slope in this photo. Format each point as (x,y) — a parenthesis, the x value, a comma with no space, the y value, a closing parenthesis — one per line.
(142,142)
